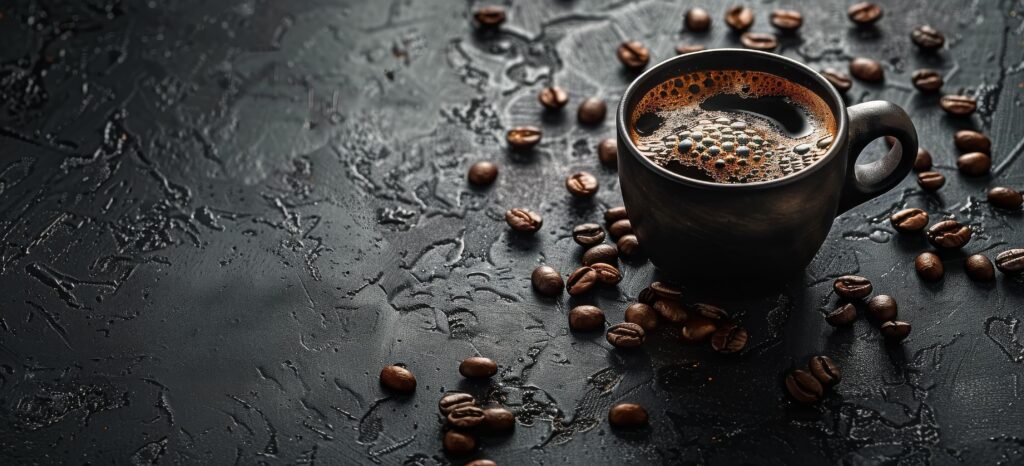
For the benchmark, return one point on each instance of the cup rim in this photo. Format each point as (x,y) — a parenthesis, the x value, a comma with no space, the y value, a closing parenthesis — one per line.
(833,94)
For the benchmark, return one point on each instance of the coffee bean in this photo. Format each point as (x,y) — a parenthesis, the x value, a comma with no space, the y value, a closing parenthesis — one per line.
(586,318)
(895,331)
(787,20)
(614,214)
(553,97)
(582,185)
(621,228)
(867,69)
(647,296)
(478,367)
(804,387)
(628,245)
(923,162)
(708,311)
(843,315)
(398,378)
(581,281)
(458,443)
(697,20)
(671,311)
(852,286)
(684,49)
(882,308)
(642,315)
(930,181)
(1010,261)
(523,138)
(839,80)
(455,400)
(588,234)
(607,274)
(523,220)
(634,54)
(927,38)
(729,339)
(909,220)
(739,18)
(974,164)
(972,141)
(627,415)
(1004,198)
(482,173)
(949,234)
(825,370)
(929,267)
(625,335)
(547,281)
(864,13)
(979,268)
(466,417)
(698,329)
(592,111)
(958,105)
(926,80)
(489,16)
(759,41)
(498,420)
(606,253)
(666,290)
(608,152)
(481,462)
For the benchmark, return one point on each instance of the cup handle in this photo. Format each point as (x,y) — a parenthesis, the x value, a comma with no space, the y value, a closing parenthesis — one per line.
(870,121)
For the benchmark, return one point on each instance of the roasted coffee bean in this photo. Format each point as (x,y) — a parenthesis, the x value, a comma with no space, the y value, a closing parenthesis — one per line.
(930,181)
(633,54)
(614,214)
(697,20)
(839,80)
(895,331)
(478,367)
(586,318)
(455,400)
(588,234)
(927,38)
(498,419)
(926,80)
(949,234)
(739,18)
(621,228)
(825,370)
(607,274)
(553,97)
(647,296)
(882,308)
(1010,261)
(642,315)
(843,315)
(606,253)
(787,20)
(958,105)
(398,378)
(909,220)
(592,111)
(1004,198)
(923,162)
(465,417)
(804,387)
(481,462)
(852,286)
(974,164)
(867,69)
(523,220)
(683,49)
(458,443)
(482,173)
(666,290)
(547,281)
(929,267)
(711,312)
(671,311)
(628,245)
(581,281)
(489,16)
(729,339)
(608,152)
(523,138)
(582,185)
(625,335)
(759,41)
(627,415)
(698,329)
(864,13)
(972,141)
(979,268)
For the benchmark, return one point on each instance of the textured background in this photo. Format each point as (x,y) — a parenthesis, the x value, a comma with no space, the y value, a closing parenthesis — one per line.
(218,220)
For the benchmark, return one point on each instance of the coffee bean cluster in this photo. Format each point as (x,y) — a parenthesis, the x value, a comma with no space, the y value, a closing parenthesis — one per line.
(853,291)
(811,385)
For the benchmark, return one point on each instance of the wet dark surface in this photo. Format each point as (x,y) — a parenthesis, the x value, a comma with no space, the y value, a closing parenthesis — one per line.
(219,222)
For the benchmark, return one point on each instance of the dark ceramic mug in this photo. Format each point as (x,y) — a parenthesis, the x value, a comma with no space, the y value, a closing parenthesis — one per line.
(698,230)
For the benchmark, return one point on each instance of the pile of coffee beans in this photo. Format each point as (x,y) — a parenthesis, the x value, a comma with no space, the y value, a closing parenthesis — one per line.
(810,386)
(880,309)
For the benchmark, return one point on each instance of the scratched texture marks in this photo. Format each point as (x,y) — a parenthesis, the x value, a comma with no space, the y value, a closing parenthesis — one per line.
(219,220)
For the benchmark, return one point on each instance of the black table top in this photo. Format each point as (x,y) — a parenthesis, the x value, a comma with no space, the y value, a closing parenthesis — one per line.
(220,220)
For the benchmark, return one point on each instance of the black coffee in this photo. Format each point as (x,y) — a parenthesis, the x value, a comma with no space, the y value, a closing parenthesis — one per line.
(732,126)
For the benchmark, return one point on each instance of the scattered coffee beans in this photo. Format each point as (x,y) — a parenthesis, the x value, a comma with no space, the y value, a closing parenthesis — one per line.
(607,274)
(627,415)
(553,97)
(628,245)
(1010,261)
(466,417)
(684,49)
(697,20)
(614,214)
(642,315)
(478,367)
(620,228)
(867,69)
(852,287)
(949,234)
(882,308)
(547,281)
(671,311)
(929,267)
(909,220)
(625,335)
(586,318)
(958,105)
(605,253)
(930,181)
(896,330)
(1005,198)
(841,81)
(926,80)
(923,162)
(588,234)
(523,138)
(498,419)
(974,164)
(581,281)
(458,443)
(666,290)
(979,268)
(804,387)
(864,13)
(592,111)
(398,378)
(633,54)
(843,315)
(972,141)
(729,339)
(739,18)
(759,41)
(787,20)
(927,38)
(608,152)
(482,173)
(582,185)
(523,220)
(698,329)
(489,16)
(825,370)
(452,401)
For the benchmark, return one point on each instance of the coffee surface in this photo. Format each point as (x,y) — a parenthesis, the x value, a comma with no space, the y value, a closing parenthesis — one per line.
(732,126)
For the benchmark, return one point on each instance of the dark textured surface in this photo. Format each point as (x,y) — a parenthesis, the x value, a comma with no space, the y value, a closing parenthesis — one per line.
(219,221)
